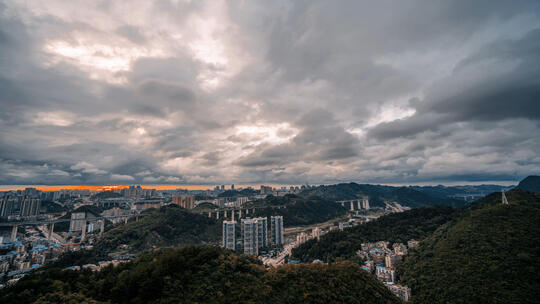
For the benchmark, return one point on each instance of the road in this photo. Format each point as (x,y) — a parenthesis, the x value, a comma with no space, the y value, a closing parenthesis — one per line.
(279,260)
(298,229)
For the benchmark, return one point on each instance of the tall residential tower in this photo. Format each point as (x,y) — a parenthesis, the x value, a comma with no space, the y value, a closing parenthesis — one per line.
(276,223)
(250,236)
(229,235)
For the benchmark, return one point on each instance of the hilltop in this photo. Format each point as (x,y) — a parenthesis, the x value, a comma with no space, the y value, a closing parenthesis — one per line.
(201,275)
(490,254)
(530,183)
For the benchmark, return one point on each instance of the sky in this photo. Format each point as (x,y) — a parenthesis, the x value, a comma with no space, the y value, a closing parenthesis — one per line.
(282,92)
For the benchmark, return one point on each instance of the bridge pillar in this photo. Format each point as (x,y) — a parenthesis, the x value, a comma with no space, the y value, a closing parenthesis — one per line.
(49,236)
(14,233)
(239,213)
(83,234)
(358,205)
(352,205)
(102,228)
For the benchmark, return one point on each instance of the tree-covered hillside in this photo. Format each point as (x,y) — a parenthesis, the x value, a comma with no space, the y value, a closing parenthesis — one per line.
(346,191)
(169,226)
(297,210)
(530,183)
(201,275)
(396,227)
(412,198)
(491,254)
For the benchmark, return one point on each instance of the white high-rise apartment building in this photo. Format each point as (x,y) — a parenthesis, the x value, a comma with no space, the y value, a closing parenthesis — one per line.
(250,236)
(262,231)
(276,223)
(229,235)
(255,234)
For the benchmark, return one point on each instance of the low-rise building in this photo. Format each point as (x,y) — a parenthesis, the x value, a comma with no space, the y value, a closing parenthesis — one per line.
(392,260)
(402,292)
(412,244)
(385,275)
(400,249)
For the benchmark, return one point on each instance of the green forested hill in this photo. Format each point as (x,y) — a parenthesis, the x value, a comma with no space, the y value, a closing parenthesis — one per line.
(397,227)
(530,183)
(413,198)
(491,254)
(169,226)
(297,210)
(201,275)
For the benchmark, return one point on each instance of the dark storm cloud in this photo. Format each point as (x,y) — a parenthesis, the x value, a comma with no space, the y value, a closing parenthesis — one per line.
(283,91)
(501,81)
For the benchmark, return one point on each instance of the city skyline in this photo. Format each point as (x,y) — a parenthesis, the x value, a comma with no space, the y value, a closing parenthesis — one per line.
(283,92)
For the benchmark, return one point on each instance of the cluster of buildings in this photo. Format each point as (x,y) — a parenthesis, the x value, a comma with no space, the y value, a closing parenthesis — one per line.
(30,252)
(185,201)
(303,237)
(136,191)
(254,234)
(13,207)
(268,190)
(103,264)
(382,260)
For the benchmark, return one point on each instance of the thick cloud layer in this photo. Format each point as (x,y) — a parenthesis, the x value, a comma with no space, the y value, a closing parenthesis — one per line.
(203,92)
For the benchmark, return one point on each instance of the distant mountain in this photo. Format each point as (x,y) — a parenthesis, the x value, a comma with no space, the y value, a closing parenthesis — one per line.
(489,254)
(467,191)
(412,198)
(399,227)
(201,275)
(530,183)
(346,191)
(378,194)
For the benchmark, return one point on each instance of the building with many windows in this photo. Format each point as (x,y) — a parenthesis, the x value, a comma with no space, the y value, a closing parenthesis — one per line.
(7,205)
(276,230)
(229,235)
(250,236)
(385,275)
(254,234)
(402,292)
(262,231)
(316,233)
(184,201)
